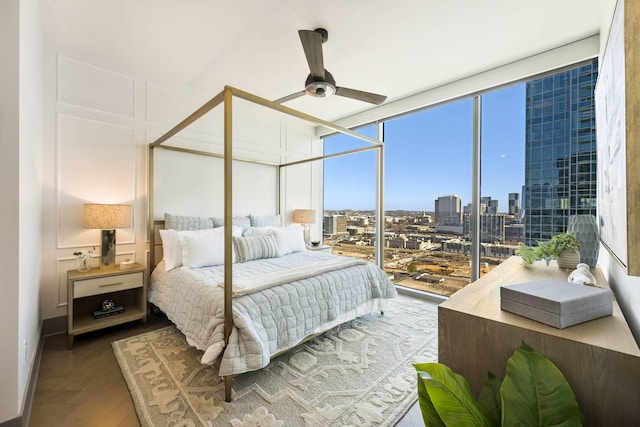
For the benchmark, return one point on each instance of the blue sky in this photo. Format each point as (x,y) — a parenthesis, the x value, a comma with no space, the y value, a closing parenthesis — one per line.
(428,154)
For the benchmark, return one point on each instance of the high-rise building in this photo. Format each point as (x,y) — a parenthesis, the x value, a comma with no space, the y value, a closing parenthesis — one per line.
(560,157)
(335,224)
(448,210)
(492,206)
(492,227)
(514,204)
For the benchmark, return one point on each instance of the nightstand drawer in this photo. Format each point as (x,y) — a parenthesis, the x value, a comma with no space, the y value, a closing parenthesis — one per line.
(101,285)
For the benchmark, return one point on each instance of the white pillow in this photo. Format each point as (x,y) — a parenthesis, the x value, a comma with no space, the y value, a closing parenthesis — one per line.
(290,239)
(259,231)
(171,249)
(172,246)
(202,250)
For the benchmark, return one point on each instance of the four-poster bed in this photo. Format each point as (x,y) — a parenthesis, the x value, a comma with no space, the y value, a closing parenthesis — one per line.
(280,294)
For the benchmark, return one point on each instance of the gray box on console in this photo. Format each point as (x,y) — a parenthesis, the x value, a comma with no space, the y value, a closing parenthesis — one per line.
(556,303)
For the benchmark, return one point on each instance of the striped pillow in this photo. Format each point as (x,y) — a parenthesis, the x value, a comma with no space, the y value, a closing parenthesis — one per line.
(255,247)
(265,220)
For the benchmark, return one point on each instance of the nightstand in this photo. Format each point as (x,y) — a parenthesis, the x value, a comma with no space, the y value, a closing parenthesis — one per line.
(321,248)
(87,291)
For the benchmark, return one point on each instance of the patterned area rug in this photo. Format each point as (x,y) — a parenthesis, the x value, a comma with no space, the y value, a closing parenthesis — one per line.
(357,374)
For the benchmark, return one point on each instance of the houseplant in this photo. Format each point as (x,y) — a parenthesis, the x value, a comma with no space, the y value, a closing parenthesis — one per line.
(562,247)
(534,392)
(84,260)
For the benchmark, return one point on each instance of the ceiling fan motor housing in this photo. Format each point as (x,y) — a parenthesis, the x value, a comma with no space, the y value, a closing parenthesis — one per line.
(320,88)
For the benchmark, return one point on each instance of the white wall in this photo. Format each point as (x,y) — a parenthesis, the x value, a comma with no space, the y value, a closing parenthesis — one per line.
(626,288)
(30,196)
(190,184)
(20,183)
(9,173)
(98,122)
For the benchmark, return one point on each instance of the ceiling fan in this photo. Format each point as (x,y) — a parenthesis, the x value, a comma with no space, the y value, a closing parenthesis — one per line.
(320,83)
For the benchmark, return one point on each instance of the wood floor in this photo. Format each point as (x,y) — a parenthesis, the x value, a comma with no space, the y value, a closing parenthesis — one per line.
(84,387)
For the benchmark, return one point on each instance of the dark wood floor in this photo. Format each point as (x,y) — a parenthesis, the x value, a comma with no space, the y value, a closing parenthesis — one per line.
(84,386)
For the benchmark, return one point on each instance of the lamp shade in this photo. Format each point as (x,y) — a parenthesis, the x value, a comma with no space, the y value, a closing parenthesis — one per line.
(304,216)
(106,216)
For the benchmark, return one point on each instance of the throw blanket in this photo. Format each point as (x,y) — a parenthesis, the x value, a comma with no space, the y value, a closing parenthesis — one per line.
(248,285)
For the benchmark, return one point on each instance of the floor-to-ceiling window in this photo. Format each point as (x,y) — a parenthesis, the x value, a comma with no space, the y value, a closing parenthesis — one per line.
(427,184)
(537,164)
(502,174)
(350,196)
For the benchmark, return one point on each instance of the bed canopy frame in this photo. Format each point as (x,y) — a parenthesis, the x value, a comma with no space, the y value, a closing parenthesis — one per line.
(225,100)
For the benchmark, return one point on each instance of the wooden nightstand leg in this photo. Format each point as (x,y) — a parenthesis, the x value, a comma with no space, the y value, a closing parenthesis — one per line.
(70,341)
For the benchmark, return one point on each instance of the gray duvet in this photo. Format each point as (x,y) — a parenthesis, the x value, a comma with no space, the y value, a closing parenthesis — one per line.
(271,320)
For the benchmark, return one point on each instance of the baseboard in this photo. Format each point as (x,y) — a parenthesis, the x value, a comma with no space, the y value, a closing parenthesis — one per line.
(16,422)
(23,420)
(33,380)
(56,325)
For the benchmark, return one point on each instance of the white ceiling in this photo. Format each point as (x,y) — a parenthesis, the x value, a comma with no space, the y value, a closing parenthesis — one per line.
(392,47)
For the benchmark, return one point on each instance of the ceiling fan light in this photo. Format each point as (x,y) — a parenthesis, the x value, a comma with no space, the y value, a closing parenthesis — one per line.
(320,89)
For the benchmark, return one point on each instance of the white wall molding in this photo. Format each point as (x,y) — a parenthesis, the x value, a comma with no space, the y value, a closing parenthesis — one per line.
(93,87)
(96,163)
(98,123)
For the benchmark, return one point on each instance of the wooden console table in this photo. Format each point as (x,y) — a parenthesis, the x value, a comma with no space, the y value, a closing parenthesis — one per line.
(599,358)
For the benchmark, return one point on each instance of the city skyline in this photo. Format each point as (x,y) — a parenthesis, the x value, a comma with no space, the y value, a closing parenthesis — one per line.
(428,155)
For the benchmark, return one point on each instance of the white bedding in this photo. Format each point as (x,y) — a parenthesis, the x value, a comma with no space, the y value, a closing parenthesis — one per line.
(249,285)
(271,320)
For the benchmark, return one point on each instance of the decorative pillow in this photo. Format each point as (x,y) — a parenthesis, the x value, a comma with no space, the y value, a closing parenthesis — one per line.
(181,222)
(256,247)
(259,231)
(172,246)
(265,220)
(202,250)
(241,221)
(289,239)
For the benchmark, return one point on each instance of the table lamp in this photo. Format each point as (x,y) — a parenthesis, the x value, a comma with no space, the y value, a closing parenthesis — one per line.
(107,218)
(305,217)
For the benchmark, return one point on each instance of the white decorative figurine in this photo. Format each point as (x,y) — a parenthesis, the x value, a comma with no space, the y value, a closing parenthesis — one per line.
(582,275)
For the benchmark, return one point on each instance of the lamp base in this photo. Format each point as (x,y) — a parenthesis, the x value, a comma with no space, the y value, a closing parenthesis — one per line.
(108,249)
(307,241)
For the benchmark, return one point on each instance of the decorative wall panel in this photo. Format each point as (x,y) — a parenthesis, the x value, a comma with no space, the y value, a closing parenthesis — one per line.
(96,164)
(89,86)
(168,107)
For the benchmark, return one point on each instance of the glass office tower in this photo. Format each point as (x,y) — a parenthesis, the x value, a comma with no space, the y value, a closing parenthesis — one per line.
(560,157)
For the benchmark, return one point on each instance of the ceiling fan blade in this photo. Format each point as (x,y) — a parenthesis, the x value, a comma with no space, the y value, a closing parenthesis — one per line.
(312,45)
(360,95)
(290,97)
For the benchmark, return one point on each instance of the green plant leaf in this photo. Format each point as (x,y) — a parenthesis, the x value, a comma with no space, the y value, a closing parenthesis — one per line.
(527,253)
(429,414)
(535,393)
(451,396)
(490,399)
